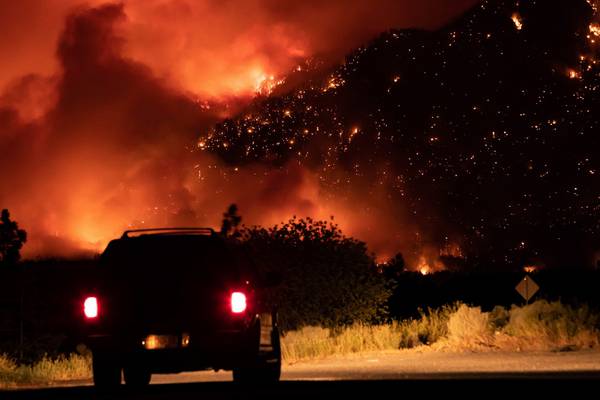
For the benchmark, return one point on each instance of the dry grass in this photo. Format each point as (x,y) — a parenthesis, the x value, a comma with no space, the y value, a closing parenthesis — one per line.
(539,326)
(469,328)
(315,342)
(45,371)
(431,326)
(550,326)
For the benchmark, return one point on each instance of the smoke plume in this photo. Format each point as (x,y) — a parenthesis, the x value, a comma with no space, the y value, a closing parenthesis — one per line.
(101,104)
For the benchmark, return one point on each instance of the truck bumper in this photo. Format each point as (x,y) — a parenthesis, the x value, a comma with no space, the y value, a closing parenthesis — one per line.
(221,350)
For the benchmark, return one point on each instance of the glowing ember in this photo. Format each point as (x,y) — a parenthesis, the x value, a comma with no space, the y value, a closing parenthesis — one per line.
(573,74)
(333,82)
(451,250)
(530,268)
(516,18)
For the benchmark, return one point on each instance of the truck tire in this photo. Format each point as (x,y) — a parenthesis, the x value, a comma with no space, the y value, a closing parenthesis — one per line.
(266,368)
(136,376)
(106,371)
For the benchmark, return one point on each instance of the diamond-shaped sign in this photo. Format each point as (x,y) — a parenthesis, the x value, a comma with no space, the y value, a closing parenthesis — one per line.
(527,287)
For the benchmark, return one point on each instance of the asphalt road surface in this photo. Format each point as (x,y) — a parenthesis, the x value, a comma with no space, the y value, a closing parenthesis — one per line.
(389,375)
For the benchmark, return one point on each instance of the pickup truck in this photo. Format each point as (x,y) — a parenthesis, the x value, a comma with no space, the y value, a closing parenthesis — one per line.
(177,299)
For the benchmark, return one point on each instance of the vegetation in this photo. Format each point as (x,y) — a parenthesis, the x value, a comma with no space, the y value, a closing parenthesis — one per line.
(11,240)
(333,299)
(45,371)
(555,325)
(328,279)
(469,327)
(428,328)
(317,342)
(539,326)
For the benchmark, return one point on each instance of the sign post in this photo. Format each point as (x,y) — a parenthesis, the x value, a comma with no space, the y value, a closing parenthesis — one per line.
(527,288)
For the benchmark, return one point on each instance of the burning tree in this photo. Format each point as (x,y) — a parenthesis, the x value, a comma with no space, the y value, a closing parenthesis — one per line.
(11,240)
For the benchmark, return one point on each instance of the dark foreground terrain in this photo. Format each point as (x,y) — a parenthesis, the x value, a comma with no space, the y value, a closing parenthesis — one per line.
(394,374)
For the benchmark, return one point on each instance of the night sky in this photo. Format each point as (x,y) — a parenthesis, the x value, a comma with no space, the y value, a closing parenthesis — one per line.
(475,138)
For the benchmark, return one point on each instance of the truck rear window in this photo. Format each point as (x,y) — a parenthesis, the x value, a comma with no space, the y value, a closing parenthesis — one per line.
(171,257)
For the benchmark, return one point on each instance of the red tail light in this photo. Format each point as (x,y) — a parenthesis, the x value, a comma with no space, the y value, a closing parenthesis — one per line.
(90,307)
(238,302)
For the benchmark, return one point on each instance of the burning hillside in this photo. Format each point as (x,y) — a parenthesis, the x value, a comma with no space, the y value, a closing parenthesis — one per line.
(462,137)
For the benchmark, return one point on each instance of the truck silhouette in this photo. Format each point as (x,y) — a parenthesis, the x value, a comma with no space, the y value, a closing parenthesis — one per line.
(177,299)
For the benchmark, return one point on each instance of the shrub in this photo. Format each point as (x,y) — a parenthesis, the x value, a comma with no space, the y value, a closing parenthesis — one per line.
(317,342)
(329,279)
(431,326)
(538,326)
(499,317)
(468,327)
(553,325)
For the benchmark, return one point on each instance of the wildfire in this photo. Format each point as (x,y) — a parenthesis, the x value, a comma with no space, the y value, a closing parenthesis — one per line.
(530,268)
(516,18)
(573,73)
(431,259)
(424,267)
(333,82)
(265,85)
(451,250)
(594,32)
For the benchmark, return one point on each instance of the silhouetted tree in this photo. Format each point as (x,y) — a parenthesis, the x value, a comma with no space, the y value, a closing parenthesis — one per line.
(11,240)
(231,222)
(394,267)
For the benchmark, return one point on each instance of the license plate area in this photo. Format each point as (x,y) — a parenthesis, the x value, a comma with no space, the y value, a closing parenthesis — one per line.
(155,342)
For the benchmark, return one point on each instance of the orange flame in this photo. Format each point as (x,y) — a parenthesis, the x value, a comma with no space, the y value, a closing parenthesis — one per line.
(516,18)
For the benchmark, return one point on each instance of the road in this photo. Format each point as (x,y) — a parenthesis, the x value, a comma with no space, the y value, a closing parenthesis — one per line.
(498,373)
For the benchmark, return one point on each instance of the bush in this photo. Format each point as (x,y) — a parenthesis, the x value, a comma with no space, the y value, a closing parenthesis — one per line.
(499,317)
(431,326)
(556,325)
(538,326)
(329,279)
(468,327)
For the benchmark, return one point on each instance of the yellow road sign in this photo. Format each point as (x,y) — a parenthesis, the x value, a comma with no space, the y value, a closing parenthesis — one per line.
(527,287)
